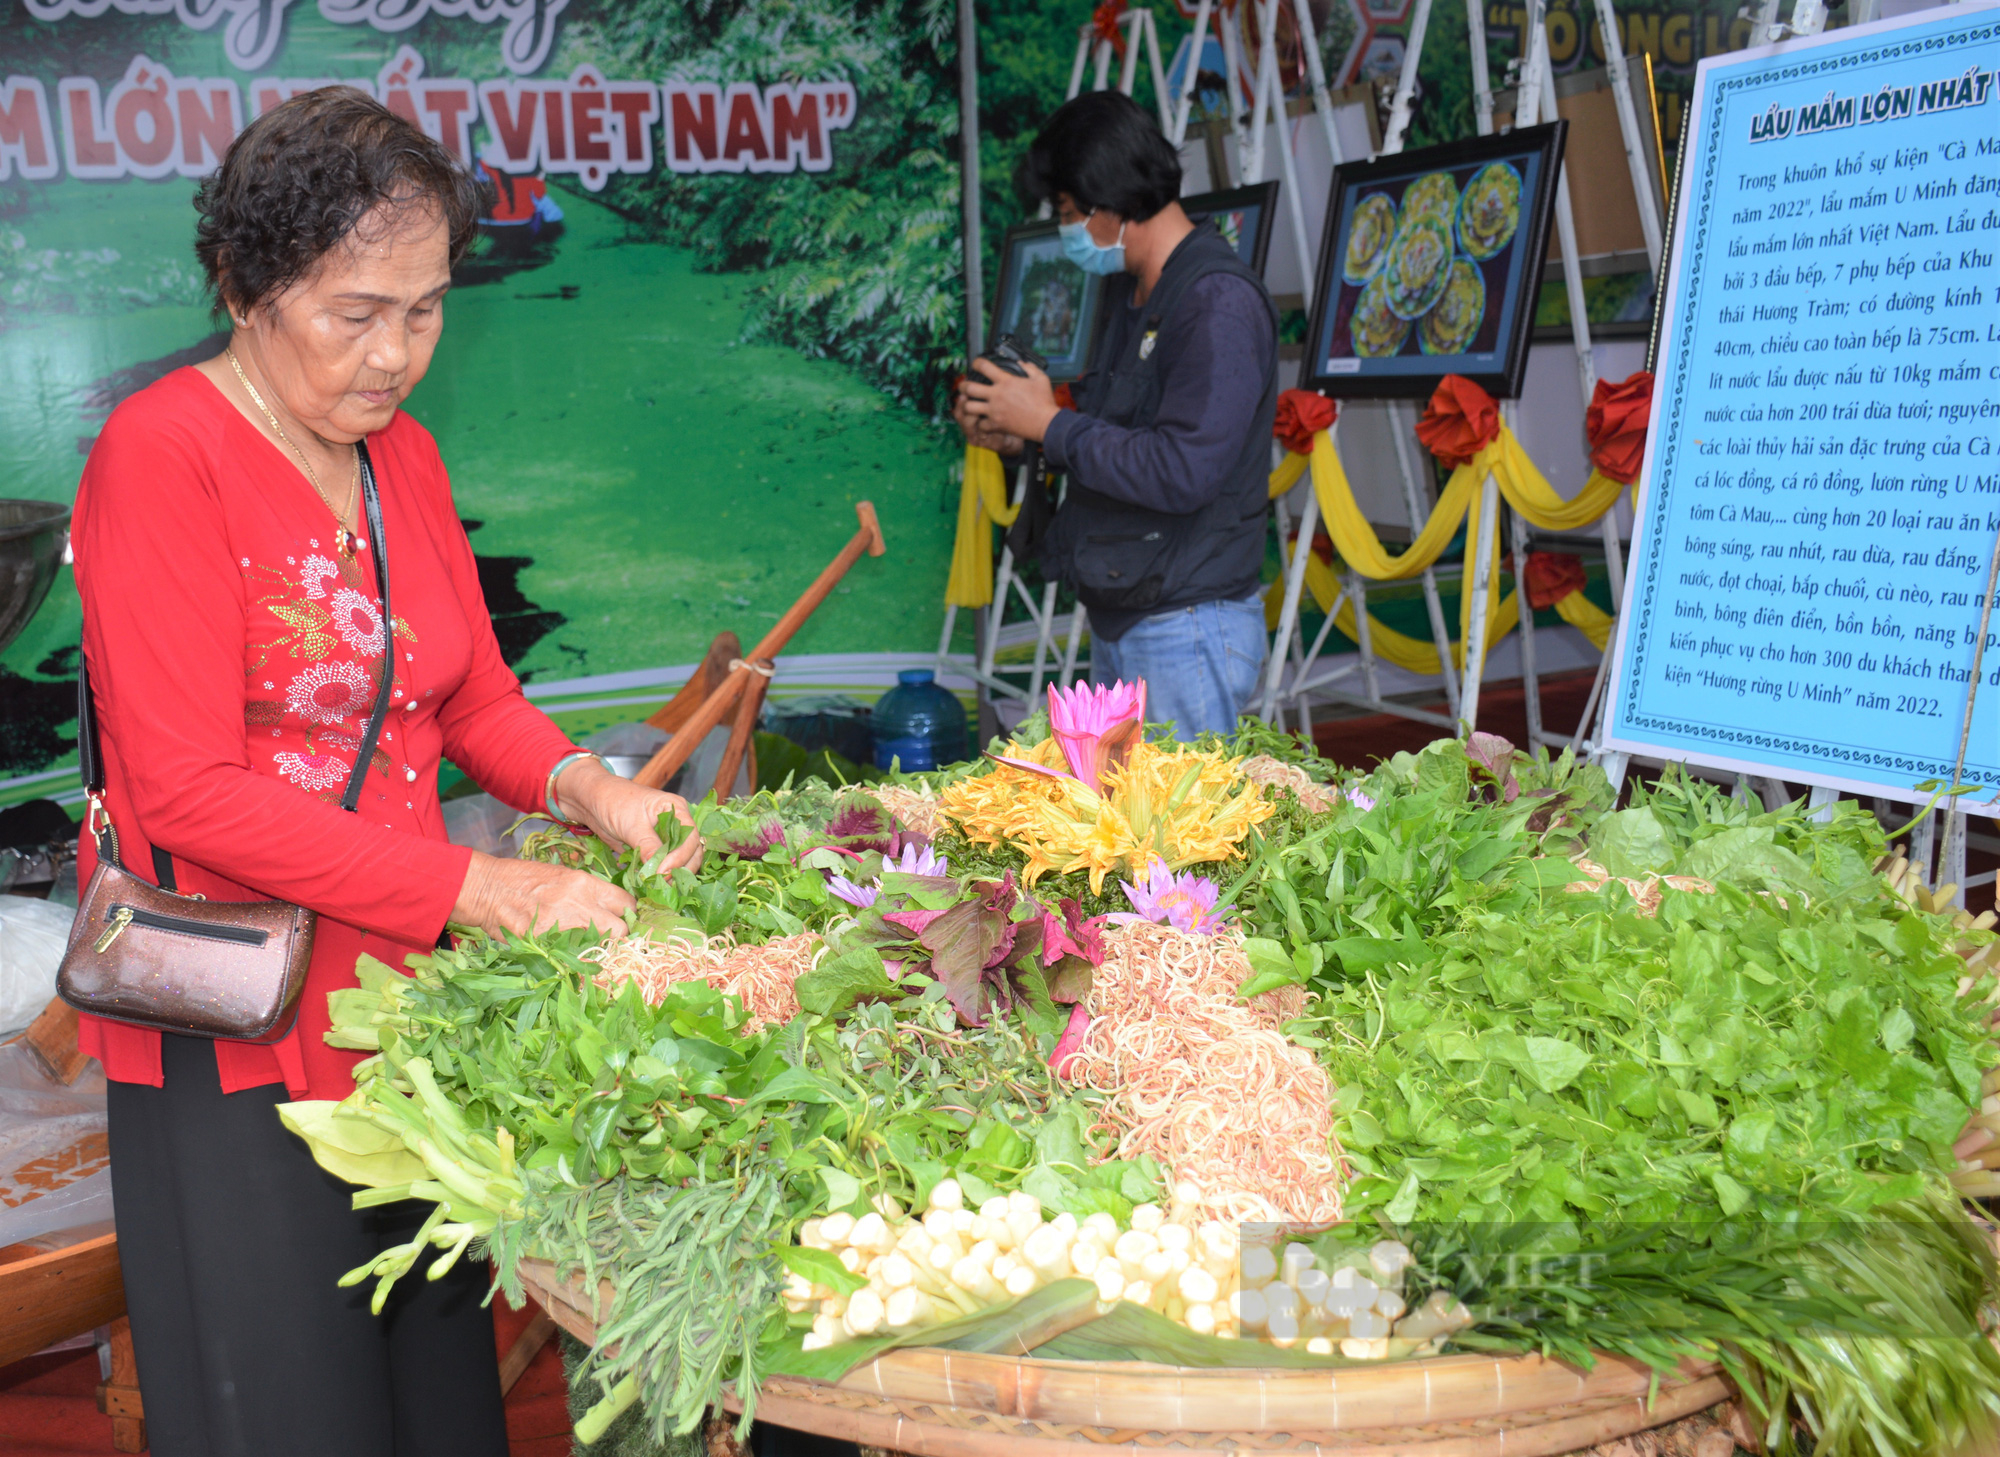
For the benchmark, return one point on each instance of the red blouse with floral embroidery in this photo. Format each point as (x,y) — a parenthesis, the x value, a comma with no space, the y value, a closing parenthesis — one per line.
(234,655)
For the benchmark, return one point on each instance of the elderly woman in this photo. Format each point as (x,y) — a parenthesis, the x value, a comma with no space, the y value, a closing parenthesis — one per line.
(236,645)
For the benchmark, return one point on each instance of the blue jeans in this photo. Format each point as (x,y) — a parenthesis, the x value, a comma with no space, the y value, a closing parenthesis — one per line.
(1202,664)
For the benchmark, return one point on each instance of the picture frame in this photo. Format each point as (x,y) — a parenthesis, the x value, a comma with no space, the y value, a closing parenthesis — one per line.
(1046,301)
(1244,216)
(1431,264)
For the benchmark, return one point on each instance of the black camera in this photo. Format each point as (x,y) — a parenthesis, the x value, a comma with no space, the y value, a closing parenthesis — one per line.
(1010,354)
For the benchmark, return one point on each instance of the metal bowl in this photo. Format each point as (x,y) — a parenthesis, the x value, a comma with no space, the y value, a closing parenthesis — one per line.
(32,536)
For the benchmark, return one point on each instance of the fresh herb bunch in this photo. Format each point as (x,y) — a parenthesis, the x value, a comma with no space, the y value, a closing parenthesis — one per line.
(519,1096)
(1583,1060)
(762,871)
(1715,1117)
(1330,896)
(697,1278)
(1866,1329)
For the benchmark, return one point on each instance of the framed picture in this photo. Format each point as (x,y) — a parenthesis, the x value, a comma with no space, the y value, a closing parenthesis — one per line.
(1430,265)
(1046,301)
(1242,215)
(1618,284)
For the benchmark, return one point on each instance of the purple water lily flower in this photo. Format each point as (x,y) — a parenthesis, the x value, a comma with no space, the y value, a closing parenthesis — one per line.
(854,895)
(918,859)
(915,860)
(1185,901)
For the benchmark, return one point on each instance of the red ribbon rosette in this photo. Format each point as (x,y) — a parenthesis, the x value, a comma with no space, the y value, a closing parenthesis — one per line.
(1550,577)
(1616,424)
(1104,21)
(1302,414)
(1460,421)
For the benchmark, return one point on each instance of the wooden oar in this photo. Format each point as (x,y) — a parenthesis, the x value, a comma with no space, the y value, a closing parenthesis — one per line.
(748,704)
(675,751)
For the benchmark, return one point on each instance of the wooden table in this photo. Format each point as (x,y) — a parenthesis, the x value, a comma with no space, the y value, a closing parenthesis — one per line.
(50,1295)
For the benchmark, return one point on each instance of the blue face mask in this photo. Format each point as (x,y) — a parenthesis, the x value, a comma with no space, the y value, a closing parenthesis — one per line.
(1089,254)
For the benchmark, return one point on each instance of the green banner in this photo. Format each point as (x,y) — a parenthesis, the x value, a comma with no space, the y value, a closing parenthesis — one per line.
(710,307)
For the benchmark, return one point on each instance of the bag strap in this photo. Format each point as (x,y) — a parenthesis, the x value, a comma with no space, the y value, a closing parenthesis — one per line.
(371,506)
(90,747)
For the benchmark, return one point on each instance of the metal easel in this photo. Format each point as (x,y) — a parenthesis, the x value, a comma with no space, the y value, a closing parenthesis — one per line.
(1808,18)
(1536,93)
(1353,586)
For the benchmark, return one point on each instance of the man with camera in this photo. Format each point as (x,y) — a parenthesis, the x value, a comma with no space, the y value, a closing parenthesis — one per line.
(1161,535)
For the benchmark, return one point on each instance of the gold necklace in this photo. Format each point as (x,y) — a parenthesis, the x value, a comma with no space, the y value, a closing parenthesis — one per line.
(347,543)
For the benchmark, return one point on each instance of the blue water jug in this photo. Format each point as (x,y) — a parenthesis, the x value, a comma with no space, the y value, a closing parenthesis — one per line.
(918,724)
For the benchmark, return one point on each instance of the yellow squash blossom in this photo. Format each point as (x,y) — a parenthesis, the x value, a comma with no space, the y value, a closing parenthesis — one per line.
(1174,804)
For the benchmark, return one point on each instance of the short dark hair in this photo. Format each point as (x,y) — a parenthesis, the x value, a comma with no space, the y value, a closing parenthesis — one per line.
(298,179)
(1106,152)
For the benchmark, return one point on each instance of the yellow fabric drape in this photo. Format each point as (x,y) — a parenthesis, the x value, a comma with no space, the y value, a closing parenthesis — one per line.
(1520,482)
(982,503)
(1529,492)
(1288,472)
(1356,540)
(1587,617)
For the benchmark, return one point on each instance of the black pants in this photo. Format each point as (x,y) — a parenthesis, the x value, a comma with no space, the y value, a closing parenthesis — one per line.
(233,1240)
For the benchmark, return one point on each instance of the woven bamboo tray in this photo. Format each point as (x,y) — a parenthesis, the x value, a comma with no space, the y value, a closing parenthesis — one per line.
(939,1403)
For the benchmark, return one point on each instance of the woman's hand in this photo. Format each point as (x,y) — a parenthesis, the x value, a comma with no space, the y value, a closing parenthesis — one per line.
(622,813)
(1009,404)
(522,896)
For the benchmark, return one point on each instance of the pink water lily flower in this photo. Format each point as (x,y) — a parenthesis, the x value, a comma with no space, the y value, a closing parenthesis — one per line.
(1096,725)
(1185,901)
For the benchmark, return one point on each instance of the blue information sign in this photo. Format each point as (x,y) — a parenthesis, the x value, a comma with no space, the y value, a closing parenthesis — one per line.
(1822,483)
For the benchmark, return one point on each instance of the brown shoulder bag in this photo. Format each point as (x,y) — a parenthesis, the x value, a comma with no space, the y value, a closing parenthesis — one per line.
(144,954)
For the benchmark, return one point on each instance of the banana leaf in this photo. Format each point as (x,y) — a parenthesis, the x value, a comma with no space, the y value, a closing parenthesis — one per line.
(1063,1321)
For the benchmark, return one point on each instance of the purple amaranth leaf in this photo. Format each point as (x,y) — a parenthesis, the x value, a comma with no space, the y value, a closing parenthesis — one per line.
(915,920)
(963,941)
(1071,1041)
(751,842)
(1496,756)
(1072,934)
(1070,980)
(859,822)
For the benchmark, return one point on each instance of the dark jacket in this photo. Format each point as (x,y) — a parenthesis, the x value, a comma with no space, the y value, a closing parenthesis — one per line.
(1169,450)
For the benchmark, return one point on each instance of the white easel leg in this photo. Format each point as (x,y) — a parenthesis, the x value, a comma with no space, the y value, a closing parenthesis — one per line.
(1288,615)
(1482,588)
(1076,619)
(1045,637)
(1531,686)
(1413,503)
(1184,104)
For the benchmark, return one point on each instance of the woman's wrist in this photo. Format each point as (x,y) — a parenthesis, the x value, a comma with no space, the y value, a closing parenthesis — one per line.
(475,894)
(571,785)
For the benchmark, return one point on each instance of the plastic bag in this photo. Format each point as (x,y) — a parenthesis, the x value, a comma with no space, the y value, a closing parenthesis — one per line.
(55,1158)
(33,934)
